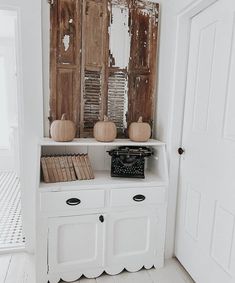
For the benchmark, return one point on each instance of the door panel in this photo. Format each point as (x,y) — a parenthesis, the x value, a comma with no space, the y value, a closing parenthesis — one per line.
(132,237)
(206,212)
(75,243)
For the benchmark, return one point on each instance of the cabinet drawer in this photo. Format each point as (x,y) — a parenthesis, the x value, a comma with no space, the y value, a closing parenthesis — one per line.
(71,201)
(140,196)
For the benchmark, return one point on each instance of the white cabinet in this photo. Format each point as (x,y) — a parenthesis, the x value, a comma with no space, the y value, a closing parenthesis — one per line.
(132,239)
(75,243)
(106,224)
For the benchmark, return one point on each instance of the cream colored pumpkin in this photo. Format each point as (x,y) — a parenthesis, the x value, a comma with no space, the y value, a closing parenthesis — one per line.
(63,130)
(105,131)
(139,131)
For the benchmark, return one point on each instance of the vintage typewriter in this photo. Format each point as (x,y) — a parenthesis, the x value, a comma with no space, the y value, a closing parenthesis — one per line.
(129,161)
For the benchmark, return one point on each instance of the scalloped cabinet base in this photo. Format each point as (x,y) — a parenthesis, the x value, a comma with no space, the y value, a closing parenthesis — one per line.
(73,276)
(116,225)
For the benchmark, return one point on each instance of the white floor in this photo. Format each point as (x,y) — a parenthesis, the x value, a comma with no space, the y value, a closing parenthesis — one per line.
(19,268)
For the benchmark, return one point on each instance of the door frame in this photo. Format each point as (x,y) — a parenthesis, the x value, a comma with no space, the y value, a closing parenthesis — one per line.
(31,106)
(20,99)
(184,20)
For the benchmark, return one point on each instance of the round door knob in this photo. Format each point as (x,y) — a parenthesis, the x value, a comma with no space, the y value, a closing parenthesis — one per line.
(180,151)
(101,218)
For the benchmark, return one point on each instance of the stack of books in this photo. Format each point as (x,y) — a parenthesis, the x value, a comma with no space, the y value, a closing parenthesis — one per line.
(66,168)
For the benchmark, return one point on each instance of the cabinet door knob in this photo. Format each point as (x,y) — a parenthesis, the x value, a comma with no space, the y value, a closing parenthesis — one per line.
(139,198)
(180,150)
(73,201)
(101,218)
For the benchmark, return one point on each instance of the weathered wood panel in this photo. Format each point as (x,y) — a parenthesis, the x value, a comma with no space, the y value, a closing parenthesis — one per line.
(67,32)
(95,32)
(94,64)
(140,103)
(140,39)
(142,66)
(65,68)
(66,96)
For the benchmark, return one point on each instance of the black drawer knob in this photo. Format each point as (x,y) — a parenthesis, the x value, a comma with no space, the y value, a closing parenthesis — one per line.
(73,201)
(101,218)
(139,198)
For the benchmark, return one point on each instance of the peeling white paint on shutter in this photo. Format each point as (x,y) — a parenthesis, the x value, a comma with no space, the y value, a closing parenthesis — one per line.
(119,49)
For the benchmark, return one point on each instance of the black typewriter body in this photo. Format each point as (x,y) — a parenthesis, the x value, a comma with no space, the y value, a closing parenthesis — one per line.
(129,161)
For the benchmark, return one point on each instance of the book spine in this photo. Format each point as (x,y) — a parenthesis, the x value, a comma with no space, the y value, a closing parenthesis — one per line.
(76,167)
(84,167)
(71,168)
(53,165)
(44,170)
(79,161)
(50,170)
(58,168)
(63,170)
(69,178)
(88,163)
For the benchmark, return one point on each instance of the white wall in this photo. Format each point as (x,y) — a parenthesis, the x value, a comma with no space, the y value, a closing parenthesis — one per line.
(30,103)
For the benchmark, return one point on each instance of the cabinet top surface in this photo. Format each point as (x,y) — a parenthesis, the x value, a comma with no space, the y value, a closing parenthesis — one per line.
(93,142)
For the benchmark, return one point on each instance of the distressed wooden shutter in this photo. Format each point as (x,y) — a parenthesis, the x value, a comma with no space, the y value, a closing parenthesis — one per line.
(119,54)
(142,66)
(94,64)
(103,61)
(65,57)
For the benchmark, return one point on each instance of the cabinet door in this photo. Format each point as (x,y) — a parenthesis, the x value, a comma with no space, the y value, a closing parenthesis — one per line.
(75,243)
(132,238)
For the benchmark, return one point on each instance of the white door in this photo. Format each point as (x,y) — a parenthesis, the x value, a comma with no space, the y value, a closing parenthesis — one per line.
(205,242)
(75,243)
(133,239)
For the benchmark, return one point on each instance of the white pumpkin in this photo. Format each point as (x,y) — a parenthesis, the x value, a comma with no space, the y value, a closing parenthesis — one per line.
(63,130)
(105,131)
(139,131)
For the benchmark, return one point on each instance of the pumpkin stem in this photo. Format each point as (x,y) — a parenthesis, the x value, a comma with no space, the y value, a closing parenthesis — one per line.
(140,120)
(63,117)
(106,118)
